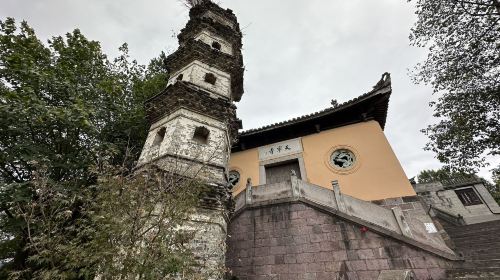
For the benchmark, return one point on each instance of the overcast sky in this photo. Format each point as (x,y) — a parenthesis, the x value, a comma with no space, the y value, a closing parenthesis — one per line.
(298,54)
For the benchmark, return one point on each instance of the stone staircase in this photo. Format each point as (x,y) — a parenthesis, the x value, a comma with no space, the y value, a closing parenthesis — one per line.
(479,244)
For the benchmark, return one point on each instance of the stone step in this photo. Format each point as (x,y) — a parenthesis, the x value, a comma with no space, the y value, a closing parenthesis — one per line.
(486,246)
(478,251)
(486,235)
(476,239)
(491,224)
(473,228)
(492,263)
(468,233)
(481,256)
(474,273)
(475,278)
(478,245)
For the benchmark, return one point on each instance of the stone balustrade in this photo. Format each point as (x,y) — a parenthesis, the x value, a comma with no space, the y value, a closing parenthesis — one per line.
(414,228)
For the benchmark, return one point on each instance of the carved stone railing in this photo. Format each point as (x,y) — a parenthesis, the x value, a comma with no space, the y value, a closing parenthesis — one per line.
(450,217)
(392,222)
(461,181)
(296,188)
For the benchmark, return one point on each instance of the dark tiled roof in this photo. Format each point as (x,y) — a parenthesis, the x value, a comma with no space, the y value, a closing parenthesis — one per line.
(372,105)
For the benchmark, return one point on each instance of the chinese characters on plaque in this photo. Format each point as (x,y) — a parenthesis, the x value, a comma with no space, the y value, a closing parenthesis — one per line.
(280,149)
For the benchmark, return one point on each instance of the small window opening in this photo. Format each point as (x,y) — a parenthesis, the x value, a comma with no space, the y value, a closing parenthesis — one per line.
(468,197)
(201,135)
(160,135)
(179,78)
(210,78)
(216,45)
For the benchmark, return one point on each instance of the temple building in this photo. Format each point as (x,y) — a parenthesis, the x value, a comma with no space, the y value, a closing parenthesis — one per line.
(461,201)
(345,143)
(322,196)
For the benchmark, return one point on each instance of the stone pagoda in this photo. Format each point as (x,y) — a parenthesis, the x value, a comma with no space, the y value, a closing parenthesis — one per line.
(193,121)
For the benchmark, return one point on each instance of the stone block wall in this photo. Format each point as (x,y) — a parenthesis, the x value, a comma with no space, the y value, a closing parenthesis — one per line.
(296,241)
(413,207)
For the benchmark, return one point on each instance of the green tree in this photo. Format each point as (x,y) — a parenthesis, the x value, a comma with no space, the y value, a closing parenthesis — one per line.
(496,182)
(445,175)
(439,175)
(66,112)
(463,66)
(128,228)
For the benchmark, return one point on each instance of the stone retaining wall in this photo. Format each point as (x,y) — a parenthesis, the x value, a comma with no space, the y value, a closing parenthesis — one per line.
(296,241)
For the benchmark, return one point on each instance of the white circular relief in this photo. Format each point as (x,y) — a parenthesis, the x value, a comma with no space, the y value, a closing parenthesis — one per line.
(343,159)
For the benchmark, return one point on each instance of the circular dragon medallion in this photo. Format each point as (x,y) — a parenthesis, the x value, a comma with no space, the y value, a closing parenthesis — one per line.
(234,177)
(343,159)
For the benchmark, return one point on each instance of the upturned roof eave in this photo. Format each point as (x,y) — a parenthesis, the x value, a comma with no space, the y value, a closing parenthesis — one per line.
(383,92)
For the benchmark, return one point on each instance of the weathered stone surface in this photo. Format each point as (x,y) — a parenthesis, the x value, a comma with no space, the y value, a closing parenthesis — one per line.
(397,275)
(197,50)
(414,222)
(193,125)
(195,72)
(479,244)
(184,95)
(447,205)
(226,16)
(196,25)
(209,244)
(296,241)
(179,127)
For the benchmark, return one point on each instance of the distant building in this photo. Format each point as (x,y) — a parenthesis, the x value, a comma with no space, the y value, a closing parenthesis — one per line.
(462,201)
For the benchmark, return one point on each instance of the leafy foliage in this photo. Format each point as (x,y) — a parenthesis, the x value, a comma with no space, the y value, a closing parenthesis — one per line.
(123,228)
(67,113)
(155,214)
(439,175)
(496,182)
(463,66)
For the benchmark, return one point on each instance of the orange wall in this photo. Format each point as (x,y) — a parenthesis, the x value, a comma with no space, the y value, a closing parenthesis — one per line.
(247,164)
(377,175)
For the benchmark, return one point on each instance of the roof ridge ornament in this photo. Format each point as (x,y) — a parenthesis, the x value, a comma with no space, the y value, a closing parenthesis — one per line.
(384,81)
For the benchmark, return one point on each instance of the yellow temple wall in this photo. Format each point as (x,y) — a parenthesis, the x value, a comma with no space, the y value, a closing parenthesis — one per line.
(247,164)
(376,175)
